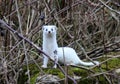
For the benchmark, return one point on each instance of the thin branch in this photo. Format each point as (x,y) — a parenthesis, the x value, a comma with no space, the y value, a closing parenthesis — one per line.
(118,12)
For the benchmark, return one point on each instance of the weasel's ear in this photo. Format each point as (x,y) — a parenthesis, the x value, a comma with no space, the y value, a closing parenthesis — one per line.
(55,28)
(43,28)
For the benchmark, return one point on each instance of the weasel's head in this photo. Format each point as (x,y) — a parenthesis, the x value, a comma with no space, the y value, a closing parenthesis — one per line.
(49,30)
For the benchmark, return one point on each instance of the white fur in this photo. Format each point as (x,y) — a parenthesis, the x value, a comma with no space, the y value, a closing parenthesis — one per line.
(49,44)
(68,56)
(65,55)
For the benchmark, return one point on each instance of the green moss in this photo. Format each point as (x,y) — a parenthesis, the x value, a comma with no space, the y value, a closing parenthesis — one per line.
(34,72)
(92,80)
(102,80)
(54,72)
(61,75)
(33,69)
(79,72)
(114,63)
(33,78)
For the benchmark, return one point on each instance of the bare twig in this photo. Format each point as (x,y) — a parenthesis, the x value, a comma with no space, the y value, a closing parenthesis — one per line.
(118,12)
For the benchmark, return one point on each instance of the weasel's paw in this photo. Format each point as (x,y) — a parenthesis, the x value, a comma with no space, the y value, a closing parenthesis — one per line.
(55,66)
(44,66)
(96,62)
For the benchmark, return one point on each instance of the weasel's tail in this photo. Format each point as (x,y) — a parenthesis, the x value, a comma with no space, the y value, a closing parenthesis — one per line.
(89,63)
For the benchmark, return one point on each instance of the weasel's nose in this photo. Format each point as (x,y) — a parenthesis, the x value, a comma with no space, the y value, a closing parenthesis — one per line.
(48,31)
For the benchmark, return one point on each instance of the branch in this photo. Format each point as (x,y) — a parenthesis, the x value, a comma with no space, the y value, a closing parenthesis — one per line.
(118,12)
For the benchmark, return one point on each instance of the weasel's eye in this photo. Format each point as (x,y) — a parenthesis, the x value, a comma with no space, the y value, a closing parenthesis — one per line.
(51,29)
(46,29)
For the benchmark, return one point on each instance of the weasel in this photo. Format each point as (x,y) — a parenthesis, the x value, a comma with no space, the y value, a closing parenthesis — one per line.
(64,55)
(50,45)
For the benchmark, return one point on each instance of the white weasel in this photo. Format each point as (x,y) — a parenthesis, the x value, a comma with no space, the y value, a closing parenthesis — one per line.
(49,44)
(65,55)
